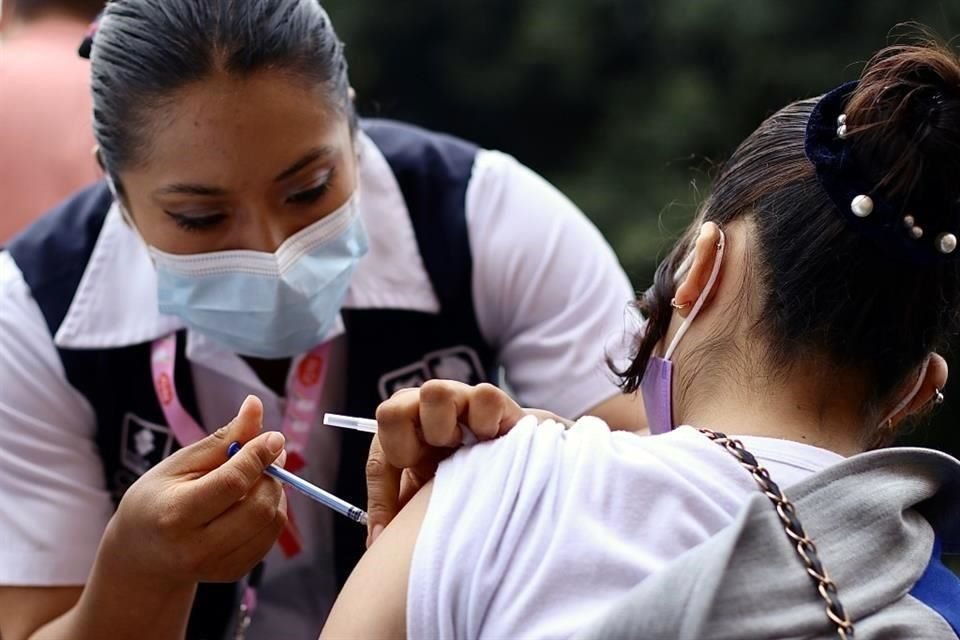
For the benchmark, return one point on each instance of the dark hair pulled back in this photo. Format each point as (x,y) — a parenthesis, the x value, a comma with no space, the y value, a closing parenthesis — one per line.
(145,50)
(821,287)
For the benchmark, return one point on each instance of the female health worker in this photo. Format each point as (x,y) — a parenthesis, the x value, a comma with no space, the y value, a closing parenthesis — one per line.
(253,237)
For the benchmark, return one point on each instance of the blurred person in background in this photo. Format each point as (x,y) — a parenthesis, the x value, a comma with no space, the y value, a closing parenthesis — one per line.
(46,137)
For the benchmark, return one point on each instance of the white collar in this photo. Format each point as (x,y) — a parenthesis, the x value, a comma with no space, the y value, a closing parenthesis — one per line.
(116,302)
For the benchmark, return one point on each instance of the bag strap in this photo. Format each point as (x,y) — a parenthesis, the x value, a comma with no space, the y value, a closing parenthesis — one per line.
(805,547)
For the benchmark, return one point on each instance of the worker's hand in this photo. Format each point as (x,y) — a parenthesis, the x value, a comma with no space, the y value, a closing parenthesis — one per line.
(200,516)
(418,428)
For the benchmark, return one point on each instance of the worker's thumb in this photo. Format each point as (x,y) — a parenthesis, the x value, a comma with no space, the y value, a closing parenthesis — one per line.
(210,452)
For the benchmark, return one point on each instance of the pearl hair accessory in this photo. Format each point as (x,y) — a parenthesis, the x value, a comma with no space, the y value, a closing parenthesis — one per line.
(842,126)
(862,206)
(899,221)
(916,232)
(946,243)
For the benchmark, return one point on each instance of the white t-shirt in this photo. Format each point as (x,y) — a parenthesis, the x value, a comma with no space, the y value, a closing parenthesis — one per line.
(536,534)
(550,298)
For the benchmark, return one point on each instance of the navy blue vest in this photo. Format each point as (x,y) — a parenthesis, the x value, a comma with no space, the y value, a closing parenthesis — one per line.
(387,348)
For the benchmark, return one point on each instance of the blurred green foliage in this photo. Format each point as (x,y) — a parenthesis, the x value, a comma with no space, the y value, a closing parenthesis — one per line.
(627,105)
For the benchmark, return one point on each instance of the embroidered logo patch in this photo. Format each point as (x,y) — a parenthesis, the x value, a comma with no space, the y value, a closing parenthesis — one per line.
(456,363)
(143,444)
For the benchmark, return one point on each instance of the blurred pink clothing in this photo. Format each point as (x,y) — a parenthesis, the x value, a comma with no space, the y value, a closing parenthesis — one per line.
(46,135)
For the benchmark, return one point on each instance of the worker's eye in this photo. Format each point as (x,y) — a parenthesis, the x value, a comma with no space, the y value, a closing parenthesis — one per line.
(313,193)
(191,222)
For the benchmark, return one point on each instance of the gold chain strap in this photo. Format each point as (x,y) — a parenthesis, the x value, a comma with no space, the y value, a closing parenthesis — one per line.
(791,524)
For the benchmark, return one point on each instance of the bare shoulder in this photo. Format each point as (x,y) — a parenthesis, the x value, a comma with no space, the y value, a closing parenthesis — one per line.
(373,603)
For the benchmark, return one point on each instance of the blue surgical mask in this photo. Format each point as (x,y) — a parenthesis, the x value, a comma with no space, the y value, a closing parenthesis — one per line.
(656,386)
(267,305)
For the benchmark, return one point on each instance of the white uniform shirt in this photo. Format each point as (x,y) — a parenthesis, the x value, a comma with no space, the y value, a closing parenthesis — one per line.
(550,298)
(537,534)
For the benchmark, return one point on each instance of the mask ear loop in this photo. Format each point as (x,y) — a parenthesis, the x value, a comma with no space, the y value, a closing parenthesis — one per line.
(116,198)
(126,214)
(701,299)
(111,185)
(908,398)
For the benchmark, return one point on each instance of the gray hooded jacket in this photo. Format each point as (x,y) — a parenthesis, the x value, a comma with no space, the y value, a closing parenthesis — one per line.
(880,521)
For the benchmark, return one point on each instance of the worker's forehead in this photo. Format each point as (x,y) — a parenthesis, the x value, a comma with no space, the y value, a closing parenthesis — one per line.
(226,119)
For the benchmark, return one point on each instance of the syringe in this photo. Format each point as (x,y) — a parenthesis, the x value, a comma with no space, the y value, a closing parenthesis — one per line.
(370,426)
(349,422)
(310,490)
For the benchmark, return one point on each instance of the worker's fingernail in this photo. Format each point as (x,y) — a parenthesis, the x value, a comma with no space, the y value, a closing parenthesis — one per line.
(275,442)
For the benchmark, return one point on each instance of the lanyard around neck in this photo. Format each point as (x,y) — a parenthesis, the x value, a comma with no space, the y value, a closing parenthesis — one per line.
(304,387)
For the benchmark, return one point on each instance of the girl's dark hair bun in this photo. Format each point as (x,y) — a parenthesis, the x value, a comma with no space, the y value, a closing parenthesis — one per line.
(857,289)
(903,129)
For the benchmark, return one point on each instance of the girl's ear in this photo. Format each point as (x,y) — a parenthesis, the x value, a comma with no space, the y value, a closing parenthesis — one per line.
(693,283)
(930,389)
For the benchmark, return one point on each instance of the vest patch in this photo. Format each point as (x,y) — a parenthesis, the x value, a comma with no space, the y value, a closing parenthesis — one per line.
(460,363)
(143,444)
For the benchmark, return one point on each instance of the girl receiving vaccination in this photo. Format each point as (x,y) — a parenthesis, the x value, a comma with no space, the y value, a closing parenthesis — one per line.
(802,313)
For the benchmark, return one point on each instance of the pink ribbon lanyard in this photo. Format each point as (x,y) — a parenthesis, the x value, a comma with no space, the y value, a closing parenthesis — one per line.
(163,355)
(303,402)
(303,397)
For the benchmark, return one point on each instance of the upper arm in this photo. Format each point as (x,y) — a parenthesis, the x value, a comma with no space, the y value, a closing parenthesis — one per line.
(549,292)
(374,600)
(432,571)
(33,607)
(53,503)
